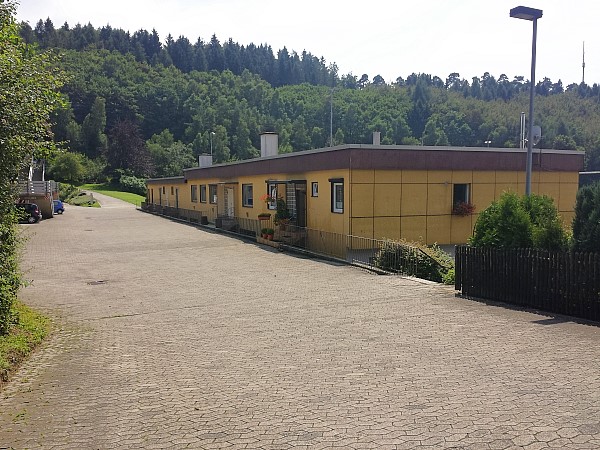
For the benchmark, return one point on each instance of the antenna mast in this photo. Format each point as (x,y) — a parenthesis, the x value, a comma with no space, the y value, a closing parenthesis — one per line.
(583,64)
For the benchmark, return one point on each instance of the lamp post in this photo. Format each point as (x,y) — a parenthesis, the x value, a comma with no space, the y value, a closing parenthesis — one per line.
(488,143)
(211,134)
(523,12)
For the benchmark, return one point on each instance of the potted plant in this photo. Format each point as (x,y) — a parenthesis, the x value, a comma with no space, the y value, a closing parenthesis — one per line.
(282,216)
(270,233)
(264,216)
(263,233)
(463,209)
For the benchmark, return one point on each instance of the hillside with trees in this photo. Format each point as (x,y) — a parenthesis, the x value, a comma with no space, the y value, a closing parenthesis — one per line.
(137,106)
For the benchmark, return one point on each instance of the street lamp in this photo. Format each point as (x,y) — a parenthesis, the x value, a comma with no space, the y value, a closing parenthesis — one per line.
(488,143)
(523,12)
(211,134)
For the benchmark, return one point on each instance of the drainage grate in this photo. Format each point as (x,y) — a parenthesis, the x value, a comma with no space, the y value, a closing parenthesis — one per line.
(95,283)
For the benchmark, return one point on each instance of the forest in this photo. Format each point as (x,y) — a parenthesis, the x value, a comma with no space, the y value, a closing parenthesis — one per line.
(138,107)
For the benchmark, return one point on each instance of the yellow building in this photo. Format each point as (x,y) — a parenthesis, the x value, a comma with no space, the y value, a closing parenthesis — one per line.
(377,191)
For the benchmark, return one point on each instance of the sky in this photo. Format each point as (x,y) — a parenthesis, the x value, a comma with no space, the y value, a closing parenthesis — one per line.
(387,38)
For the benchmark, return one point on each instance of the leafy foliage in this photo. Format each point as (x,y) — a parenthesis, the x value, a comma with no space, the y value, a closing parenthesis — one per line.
(214,97)
(520,222)
(133,184)
(586,225)
(27,97)
(68,167)
(429,263)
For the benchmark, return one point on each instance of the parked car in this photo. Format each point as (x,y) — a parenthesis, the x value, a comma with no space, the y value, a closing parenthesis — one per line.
(59,207)
(29,212)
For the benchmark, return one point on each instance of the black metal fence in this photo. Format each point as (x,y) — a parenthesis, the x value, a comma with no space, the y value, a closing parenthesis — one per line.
(559,282)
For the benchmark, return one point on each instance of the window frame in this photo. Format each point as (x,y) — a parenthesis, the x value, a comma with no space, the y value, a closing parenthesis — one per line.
(465,198)
(212,196)
(272,191)
(194,193)
(202,193)
(335,183)
(248,195)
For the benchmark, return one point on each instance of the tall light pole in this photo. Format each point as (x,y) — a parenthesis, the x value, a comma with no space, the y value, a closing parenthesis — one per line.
(211,134)
(523,12)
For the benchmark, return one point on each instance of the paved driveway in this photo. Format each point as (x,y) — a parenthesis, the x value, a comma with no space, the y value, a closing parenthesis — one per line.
(173,337)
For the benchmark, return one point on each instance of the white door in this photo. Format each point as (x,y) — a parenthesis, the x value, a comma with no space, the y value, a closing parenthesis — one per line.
(229,198)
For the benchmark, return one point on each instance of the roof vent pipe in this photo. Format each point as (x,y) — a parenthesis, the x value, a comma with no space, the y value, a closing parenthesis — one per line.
(376,138)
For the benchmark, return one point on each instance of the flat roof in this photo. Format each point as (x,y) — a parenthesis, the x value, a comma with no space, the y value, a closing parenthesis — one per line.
(391,157)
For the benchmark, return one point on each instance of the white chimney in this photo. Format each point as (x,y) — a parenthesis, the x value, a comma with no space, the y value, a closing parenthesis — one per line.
(269,144)
(204,160)
(376,138)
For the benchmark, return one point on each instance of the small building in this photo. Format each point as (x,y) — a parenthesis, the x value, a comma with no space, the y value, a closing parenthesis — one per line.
(419,193)
(33,188)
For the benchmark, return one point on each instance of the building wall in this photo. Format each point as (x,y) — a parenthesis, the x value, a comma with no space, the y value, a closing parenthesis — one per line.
(318,208)
(389,191)
(416,205)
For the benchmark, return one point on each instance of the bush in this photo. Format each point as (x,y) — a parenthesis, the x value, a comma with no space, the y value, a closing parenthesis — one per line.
(429,263)
(520,222)
(68,191)
(586,224)
(133,184)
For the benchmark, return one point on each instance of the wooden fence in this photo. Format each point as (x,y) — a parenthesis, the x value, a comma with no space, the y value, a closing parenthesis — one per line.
(559,282)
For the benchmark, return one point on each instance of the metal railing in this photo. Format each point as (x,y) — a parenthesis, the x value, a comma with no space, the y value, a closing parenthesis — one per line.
(389,256)
(37,187)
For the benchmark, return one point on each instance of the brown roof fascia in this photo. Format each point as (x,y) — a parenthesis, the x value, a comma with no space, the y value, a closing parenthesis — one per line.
(392,157)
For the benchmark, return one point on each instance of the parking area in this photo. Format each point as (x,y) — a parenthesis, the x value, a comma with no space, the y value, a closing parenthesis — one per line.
(168,336)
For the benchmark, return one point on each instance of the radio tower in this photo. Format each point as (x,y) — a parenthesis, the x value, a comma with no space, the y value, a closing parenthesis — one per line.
(583,64)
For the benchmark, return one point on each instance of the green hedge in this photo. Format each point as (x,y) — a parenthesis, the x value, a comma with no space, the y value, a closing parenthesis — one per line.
(410,258)
(133,184)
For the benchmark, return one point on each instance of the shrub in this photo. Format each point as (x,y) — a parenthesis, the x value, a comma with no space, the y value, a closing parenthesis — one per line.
(132,184)
(68,191)
(429,263)
(520,222)
(586,224)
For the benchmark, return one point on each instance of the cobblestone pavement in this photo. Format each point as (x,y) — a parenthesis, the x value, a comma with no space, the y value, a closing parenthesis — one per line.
(173,337)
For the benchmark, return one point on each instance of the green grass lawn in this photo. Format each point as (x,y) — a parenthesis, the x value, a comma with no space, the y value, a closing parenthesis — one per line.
(109,190)
(28,331)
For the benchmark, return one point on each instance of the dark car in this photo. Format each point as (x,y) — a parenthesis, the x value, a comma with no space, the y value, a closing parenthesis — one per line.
(28,212)
(58,206)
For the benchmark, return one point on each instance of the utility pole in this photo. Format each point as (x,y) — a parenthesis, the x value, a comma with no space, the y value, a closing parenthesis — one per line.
(331,119)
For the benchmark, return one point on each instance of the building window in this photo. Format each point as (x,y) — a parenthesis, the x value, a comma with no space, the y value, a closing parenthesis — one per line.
(202,193)
(272,190)
(247,199)
(212,193)
(172,190)
(315,189)
(194,193)
(460,194)
(164,190)
(337,195)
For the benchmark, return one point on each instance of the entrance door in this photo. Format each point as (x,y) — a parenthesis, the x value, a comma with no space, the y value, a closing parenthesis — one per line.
(229,205)
(177,198)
